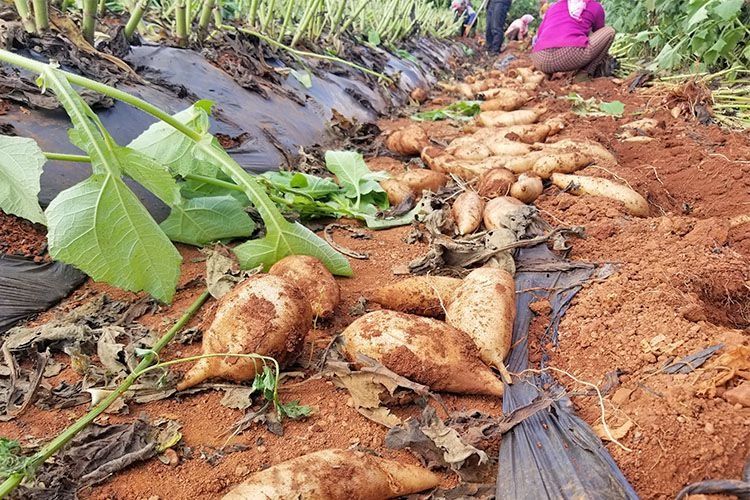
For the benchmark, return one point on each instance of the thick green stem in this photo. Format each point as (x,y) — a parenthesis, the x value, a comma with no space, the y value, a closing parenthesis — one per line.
(304,53)
(61,440)
(206,11)
(287,17)
(339,14)
(253,15)
(312,7)
(24,12)
(88,24)
(102,8)
(41,15)
(218,15)
(269,16)
(135,18)
(181,23)
(355,15)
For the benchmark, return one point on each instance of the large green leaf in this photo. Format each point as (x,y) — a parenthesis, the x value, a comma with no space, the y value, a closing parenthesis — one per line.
(359,183)
(728,9)
(100,227)
(172,148)
(148,173)
(21,163)
(199,221)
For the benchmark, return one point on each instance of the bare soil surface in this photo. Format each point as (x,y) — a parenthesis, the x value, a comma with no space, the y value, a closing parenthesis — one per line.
(682,284)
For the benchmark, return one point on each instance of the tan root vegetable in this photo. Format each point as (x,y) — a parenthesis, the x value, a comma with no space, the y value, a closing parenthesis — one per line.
(498,212)
(484,306)
(505,147)
(264,315)
(527,188)
(408,141)
(641,128)
(385,164)
(314,279)
(595,186)
(528,75)
(398,192)
(504,94)
(590,148)
(509,118)
(429,155)
(504,102)
(424,350)
(467,212)
(335,475)
(563,162)
(465,169)
(422,179)
(419,94)
(495,182)
(467,148)
(525,163)
(530,134)
(421,295)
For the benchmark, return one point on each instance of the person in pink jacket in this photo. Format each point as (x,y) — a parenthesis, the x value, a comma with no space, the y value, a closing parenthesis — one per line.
(572,37)
(519,28)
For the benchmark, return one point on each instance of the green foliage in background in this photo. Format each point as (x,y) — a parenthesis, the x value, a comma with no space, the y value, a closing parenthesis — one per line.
(703,35)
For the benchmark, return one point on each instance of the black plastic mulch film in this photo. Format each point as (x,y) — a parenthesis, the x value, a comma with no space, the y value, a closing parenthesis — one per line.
(553,453)
(28,288)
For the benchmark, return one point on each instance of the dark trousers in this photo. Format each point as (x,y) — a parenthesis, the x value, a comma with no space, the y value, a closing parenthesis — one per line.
(497,12)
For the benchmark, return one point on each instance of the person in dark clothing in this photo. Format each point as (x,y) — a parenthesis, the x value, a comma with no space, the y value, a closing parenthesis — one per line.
(497,12)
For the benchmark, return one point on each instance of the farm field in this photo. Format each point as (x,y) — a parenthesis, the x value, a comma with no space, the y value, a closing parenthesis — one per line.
(279,228)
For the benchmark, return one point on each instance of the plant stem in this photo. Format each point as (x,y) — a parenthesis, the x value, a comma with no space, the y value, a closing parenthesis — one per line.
(41,15)
(353,17)
(24,12)
(253,13)
(287,17)
(309,12)
(62,439)
(206,11)
(102,8)
(135,18)
(269,15)
(67,157)
(88,24)
(304,53)
(181,23)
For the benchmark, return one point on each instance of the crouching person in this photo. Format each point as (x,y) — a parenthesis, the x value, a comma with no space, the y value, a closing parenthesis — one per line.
(572,37)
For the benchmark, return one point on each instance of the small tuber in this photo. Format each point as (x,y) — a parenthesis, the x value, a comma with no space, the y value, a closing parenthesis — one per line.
(467,212)
(527,188)
(495,182)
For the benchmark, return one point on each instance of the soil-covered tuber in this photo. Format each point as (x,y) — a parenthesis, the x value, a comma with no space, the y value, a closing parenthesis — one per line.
(421,295)
(484,306)
(424,350)
(335,475)
(409,141)
(422,179)
(595,186)
(495,182)
(264,315)
(314,279)
(527,188)
(467,212)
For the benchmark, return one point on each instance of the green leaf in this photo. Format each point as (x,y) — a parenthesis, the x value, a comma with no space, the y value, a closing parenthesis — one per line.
(728,9)
(700,15)
(293,410)
(199,221)
(373,37)
(303,77)
(100,227)
(353,175)
(149,174)
(461,110)
(21,163)
(614,108)
(304,184)
(286,238)
(172,148)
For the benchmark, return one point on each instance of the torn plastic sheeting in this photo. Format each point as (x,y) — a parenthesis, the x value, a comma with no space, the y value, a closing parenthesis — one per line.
(551,454)
(28,288)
